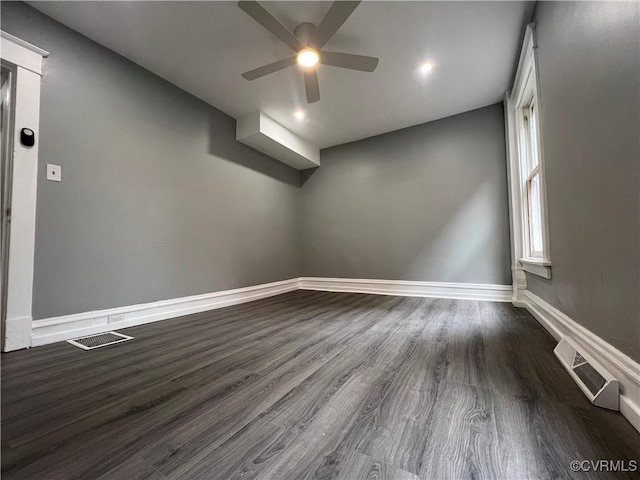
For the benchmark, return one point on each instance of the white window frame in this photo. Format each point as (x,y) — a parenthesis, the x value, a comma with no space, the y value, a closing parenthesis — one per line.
(527,173)
(28,62)
(525,92)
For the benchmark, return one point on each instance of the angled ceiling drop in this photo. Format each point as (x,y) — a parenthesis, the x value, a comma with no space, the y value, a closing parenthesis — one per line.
(268,136)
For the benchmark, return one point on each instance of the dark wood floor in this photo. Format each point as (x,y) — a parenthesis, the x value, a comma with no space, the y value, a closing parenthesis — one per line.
(309,384)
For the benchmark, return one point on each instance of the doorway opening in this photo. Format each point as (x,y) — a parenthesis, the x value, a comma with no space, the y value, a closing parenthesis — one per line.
(7,94)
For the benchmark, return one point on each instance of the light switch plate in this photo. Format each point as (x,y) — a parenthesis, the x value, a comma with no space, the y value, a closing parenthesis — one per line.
(54,172)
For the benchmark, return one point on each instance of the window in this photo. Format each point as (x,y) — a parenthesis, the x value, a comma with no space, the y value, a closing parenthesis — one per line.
(527,187)
(531,180)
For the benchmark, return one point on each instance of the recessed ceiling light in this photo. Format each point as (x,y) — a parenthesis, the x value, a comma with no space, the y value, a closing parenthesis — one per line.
(426,67)
(299,114)
(308,58)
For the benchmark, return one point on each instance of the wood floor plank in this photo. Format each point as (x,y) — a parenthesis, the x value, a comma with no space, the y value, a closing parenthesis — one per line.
(466,362)
(539,439)
(133,469)
(300,406)
(244,455)
(332,436)
(398,431)
(462,440)
(308,384)
(360,466)
(390,434)
(192,441)
(111,433)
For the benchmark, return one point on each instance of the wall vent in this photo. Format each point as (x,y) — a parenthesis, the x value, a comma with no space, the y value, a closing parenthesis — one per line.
(99,340)
(600,387)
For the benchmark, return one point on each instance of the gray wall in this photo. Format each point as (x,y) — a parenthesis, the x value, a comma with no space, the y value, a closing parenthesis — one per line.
(424,203)
(589,64)
(157,199)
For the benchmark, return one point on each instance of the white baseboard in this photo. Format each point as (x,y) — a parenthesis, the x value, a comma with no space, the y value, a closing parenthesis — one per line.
(67,327)
(462,291)
(72,326)
(626,371)
(17,333)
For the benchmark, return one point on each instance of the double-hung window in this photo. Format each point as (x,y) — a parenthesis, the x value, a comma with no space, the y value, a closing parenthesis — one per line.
(527,167)
(531,180)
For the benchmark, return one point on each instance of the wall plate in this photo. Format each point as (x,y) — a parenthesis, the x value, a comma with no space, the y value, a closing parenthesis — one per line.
(54,172)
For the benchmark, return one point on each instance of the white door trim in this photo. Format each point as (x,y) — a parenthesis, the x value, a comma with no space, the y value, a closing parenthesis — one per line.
(21,53)
(28,61)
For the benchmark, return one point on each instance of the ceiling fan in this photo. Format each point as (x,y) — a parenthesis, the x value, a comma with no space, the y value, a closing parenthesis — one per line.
(307,41)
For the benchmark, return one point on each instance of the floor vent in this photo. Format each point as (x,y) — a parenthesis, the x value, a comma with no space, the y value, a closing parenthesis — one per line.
(600,387)
(99,340)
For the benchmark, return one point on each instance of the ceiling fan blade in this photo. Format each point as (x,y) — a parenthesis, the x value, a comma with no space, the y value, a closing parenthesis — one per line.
(311,86)
(271,23)
(347,60)
(333,20)
(268,69)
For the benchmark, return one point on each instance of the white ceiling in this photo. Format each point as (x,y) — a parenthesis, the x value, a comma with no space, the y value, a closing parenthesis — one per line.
(203,47)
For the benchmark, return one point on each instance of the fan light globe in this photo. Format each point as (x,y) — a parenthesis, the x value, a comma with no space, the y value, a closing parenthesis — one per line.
(426,67)
(308,58)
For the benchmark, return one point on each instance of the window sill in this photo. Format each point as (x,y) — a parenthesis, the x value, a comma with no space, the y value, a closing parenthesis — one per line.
(541,268)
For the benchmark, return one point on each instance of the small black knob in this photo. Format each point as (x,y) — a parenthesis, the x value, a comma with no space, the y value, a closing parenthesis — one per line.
(27,137)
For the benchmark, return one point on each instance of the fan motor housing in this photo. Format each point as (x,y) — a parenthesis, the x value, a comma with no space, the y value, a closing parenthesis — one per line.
(306,33)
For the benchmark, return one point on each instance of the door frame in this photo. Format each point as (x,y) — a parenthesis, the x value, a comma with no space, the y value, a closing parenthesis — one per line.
(5,201)
(28,61)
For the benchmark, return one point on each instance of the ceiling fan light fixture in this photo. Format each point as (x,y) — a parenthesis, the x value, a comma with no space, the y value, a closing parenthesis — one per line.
(307,41)
(426,68)
(308,58)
